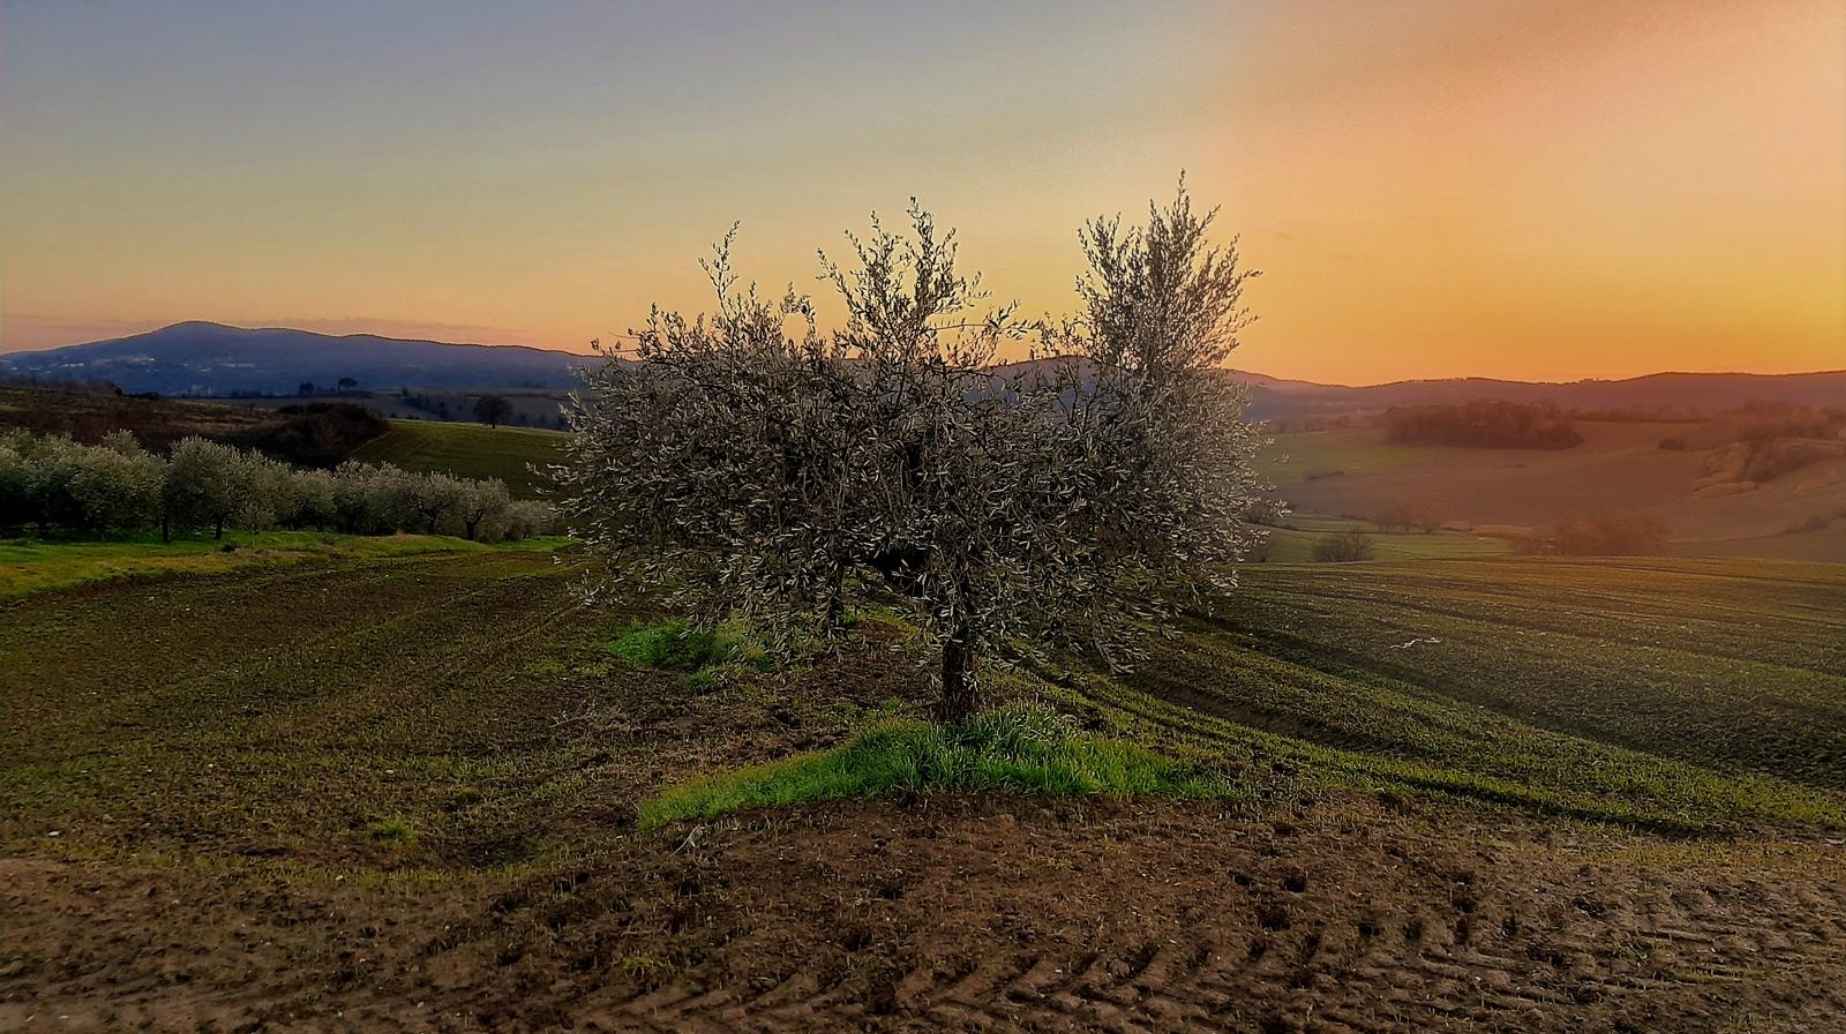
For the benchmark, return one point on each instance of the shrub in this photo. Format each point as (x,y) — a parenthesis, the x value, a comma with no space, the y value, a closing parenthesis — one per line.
(1608,535)
(1406,516)
(1343,547)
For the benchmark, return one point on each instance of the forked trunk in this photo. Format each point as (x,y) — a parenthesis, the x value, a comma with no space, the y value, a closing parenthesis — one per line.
(960,697)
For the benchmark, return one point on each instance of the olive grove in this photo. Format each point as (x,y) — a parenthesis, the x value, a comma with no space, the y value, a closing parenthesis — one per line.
(52,483)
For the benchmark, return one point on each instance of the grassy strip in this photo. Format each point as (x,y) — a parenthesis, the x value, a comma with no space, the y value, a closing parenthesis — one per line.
(1015,750)
(35,565)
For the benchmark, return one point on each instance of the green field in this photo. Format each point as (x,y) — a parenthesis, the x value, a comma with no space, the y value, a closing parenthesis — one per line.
(36,565)
(1680,695)
(440,775)
(469,450)
(1671,693)
(1294,541)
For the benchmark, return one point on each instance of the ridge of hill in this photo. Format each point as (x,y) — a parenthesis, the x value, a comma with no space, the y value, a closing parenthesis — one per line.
(207,359)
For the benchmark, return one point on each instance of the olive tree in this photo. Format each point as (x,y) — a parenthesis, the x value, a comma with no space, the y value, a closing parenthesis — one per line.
(434,496)
(16,508)
(1075,500)
(116,487)
(206,486)
(482,502)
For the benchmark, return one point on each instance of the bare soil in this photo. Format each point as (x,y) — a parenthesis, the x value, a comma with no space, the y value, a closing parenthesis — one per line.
(226,764)
(959,914)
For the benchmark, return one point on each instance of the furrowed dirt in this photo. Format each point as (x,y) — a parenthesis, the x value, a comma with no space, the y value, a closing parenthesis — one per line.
(399,795)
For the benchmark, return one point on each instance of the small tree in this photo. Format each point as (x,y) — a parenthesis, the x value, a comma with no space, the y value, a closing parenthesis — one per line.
(348,384)
(1344,547)
(482,502)
(491,409)
(16,503)
(1073,501)
(116,487)
(205,486)
(435,496)
(313,501)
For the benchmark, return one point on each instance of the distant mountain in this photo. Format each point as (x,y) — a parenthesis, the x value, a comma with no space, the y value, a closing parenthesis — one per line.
(1276,398)
(213,359)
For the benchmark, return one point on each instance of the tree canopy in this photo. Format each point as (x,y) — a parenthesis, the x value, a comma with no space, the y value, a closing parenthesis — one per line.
(747,463)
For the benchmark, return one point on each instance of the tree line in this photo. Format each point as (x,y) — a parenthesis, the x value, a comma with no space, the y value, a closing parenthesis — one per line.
(1481,424)
(118,486)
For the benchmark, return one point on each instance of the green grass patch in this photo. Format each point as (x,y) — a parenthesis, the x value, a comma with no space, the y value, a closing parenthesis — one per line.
(396,830)
(470,450)
(678,646)
(1012,750)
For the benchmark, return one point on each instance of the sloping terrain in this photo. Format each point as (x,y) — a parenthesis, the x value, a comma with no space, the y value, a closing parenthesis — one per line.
(1684,394)
(398,793)
(516,455)
(1620,468)
(315,433)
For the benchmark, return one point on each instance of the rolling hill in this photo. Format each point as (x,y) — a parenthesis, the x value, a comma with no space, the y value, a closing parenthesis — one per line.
(199,358)
(1689,394)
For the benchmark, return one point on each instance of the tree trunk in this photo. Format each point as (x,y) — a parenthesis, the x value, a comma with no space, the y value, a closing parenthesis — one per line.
(218,531)
(959,696)
(836,600)
(166,529)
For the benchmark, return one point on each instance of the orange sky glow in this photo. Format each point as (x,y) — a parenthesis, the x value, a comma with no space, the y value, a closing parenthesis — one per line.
(1512,189)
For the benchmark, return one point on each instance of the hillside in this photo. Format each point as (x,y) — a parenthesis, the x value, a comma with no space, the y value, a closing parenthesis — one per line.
(1619,468)
(1680,394)
(313,433)
(469,450)
(199,358)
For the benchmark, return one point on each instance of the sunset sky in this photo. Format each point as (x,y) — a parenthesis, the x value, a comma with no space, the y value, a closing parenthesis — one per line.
(1448,187)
